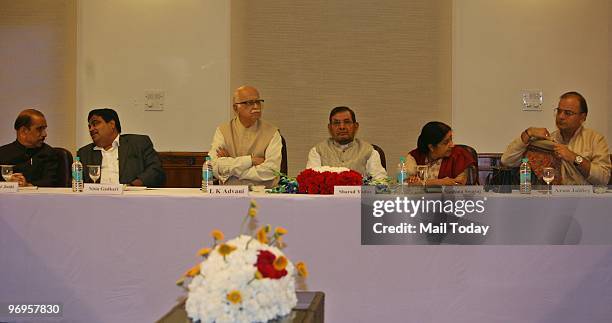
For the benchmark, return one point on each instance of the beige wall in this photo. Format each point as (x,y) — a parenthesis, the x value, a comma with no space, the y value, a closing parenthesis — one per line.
(38,55)
(129,46)
(503,47)
(389,61)
(609,88)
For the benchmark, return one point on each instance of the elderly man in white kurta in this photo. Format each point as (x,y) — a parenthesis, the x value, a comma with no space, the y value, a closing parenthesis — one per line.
(248,147)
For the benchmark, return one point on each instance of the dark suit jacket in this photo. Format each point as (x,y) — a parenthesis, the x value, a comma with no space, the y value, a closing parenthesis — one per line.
(137,159)
(38,165)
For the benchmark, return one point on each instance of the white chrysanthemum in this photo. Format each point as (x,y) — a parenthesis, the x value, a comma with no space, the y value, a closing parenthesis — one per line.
(262,300)
(330,169)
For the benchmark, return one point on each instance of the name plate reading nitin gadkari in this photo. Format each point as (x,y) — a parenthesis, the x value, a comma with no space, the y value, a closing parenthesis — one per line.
(229,190)
(9,187)
(105,189)
(572,189)
(347,191)
(463,190)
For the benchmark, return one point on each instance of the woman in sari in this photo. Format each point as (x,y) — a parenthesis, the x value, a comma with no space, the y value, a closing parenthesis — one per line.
(447,164)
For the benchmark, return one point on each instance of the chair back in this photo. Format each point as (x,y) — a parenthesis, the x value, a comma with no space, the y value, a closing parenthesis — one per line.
(383,159)
(610,181)
(472,176)
(64,173)
(284,167)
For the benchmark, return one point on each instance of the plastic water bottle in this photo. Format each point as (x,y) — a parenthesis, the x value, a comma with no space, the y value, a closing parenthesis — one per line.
(77,175)
(207,174)
(402,173)
(525,177)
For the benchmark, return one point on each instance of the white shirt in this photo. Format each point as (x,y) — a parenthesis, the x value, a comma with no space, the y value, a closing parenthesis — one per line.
(373,165)
(242,166)
(109,172)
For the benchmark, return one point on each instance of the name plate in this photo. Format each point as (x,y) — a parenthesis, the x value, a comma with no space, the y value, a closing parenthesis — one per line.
(368,190)
(463,190)
(106,189)
(411,189)
(347,191)
(572,189)
(9,187)
(229,190)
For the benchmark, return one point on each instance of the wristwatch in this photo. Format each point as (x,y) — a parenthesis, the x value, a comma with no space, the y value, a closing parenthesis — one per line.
(578,160)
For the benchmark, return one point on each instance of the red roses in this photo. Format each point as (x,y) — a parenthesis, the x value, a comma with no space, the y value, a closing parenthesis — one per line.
(313,182)
(265,265)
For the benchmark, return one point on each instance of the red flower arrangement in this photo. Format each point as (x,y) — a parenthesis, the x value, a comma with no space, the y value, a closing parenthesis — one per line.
(265,265)
(311,181)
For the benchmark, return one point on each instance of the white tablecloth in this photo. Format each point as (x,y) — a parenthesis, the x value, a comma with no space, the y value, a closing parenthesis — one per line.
(116,258)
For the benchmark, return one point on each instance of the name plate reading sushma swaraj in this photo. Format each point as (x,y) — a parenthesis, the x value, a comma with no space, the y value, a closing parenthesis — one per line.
(9,187)
(229,190)
(347,191)
(103,189)
(572,190)
(463,190)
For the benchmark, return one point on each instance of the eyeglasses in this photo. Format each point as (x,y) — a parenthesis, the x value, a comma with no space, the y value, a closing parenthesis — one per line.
(337,123)
(251,103)
(568,113)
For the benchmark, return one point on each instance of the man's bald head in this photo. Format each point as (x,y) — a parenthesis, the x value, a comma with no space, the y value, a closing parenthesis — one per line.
(245,93)
(247,105)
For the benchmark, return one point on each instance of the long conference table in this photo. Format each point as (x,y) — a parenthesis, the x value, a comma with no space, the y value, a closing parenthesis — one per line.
(115,258)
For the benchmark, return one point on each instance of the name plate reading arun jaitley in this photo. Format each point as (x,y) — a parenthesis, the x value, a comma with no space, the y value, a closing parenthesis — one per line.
(229,190)
(572,189)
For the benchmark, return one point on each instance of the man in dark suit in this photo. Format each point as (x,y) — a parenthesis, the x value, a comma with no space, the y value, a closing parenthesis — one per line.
(35,162)
(125,159)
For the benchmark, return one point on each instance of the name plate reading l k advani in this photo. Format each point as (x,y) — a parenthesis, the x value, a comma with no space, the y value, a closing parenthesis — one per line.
(229,190)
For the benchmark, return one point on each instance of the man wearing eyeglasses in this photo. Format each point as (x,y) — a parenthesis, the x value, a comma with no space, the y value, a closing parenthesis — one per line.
(583,152)
(247,148)
(342,149)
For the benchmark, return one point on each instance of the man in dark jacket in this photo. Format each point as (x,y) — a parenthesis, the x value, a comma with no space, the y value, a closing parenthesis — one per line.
(35,163)
(125,159)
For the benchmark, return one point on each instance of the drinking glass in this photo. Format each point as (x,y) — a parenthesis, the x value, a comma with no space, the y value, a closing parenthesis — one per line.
(223,172)
(94,172)
(548,175)
(422,173)
(7,172)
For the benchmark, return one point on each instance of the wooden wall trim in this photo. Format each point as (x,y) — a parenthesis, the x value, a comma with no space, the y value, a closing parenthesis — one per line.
(184,168)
